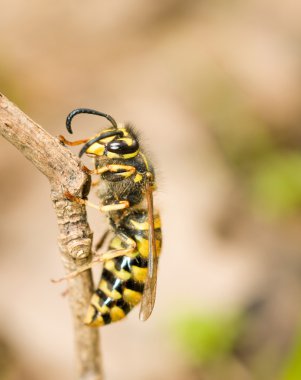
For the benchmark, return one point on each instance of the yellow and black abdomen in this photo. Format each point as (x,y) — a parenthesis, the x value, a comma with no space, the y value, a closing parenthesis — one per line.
(122,280)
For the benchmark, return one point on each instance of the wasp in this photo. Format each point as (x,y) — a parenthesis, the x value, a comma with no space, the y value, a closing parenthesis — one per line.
(126,185)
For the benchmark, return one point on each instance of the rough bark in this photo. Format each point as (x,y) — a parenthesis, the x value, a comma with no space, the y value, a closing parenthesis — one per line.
(75,237)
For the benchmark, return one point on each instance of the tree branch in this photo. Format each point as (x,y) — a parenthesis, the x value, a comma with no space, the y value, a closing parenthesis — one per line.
(75,237)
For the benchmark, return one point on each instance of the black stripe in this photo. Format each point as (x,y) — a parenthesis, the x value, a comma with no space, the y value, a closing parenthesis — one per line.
(106,318)
(112,281)
(100,294)
(103,298)
(134,285)
(140,262)
(118,262)
(126,307)
(108,276)
(122,262)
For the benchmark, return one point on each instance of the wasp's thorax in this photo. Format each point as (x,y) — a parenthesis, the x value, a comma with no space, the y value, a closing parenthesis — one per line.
(120,147)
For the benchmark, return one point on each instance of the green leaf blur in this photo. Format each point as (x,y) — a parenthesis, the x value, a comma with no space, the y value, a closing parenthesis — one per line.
(292,368)
(205,338)
(276,184)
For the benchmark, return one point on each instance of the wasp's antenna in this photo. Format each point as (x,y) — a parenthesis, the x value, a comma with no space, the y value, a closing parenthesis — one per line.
(89,111)
(97,138)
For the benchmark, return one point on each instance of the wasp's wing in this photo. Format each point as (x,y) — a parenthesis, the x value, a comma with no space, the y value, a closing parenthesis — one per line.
(149,293)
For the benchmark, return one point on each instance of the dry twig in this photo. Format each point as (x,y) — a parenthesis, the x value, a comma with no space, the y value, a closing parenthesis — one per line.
(75,237)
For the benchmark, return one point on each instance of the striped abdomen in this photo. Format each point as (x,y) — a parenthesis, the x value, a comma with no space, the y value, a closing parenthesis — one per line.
(122,280)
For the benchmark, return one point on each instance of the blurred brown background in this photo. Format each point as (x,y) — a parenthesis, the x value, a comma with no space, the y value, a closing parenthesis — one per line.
(214,87)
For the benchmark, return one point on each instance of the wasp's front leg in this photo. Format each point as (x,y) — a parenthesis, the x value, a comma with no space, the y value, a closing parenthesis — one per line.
(119,205)
(123,171)
(71,143)
(101,241)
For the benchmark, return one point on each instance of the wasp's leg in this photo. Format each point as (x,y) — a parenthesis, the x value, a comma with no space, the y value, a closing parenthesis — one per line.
(129,247)
(109,255)
(72,143)
(120,205)
(125,170)
(115,206)
(102,240)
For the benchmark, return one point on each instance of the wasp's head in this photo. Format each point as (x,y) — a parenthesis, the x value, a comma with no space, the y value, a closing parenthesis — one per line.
(113,143)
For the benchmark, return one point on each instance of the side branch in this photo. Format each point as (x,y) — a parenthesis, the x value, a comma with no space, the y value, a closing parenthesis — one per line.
(42,149)
(75,237)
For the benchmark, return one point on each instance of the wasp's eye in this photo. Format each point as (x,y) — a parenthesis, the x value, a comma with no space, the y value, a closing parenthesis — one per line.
(123,146)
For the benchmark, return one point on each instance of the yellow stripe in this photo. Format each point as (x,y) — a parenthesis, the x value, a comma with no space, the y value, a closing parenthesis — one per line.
(96,149)
(131,297)
(139,274)
(142,246)
(89,318)
(107,139)
(97,323)
(116,313)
